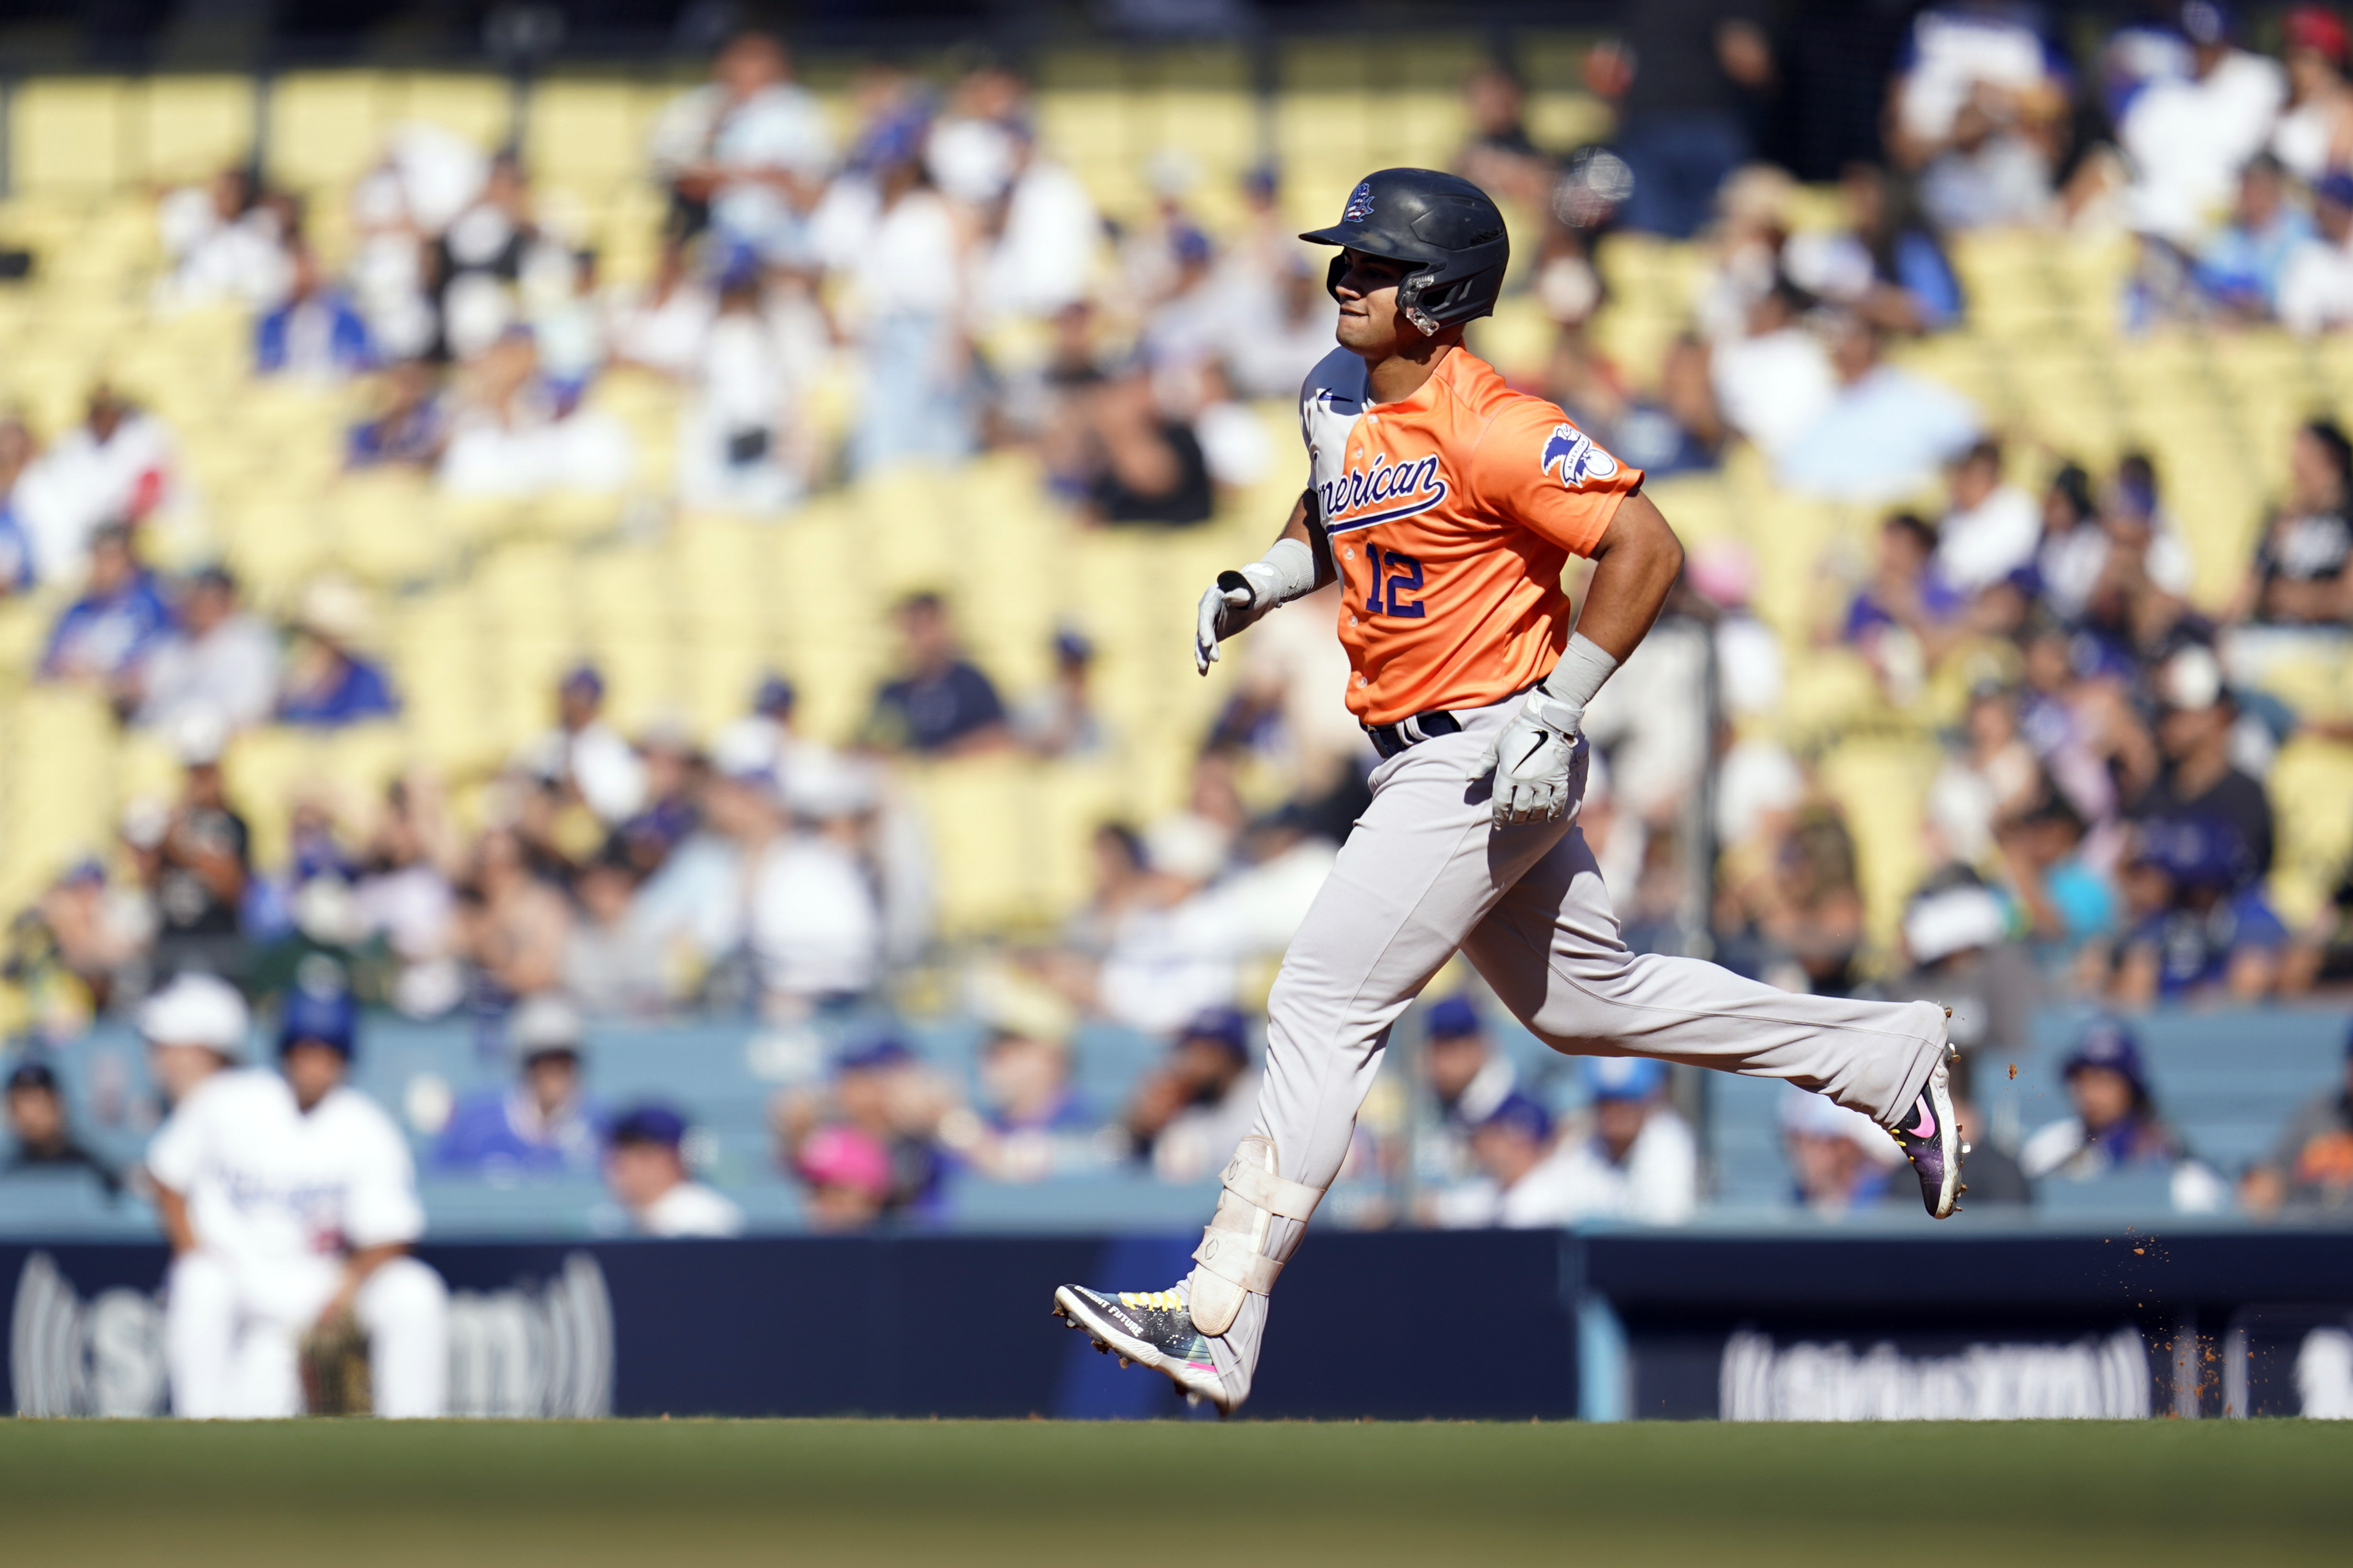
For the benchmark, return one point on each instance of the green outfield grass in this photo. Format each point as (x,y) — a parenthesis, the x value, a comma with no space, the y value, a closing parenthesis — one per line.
(1154,1495)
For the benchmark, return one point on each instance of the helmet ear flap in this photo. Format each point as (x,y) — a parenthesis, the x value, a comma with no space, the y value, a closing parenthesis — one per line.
(1334,273)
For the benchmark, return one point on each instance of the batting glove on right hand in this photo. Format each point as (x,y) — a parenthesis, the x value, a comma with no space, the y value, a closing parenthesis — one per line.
(1539,761)
(1227,609)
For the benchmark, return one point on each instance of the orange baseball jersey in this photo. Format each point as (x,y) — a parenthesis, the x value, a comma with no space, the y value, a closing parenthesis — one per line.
(1451,514)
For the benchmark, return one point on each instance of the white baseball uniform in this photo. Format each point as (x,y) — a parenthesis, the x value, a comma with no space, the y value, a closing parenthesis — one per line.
(275,1198)
(1450,515)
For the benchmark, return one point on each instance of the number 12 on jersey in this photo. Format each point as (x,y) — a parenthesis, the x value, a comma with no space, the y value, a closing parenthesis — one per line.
(1394,576)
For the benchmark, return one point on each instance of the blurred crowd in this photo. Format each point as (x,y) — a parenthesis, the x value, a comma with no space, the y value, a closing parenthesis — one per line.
(932,284)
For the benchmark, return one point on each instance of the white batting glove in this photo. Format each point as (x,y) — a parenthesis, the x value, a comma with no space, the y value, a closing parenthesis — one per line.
(1539,761)
(1229,607)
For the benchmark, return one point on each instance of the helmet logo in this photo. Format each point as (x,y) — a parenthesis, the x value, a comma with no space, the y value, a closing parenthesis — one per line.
(1572,452)
(1360,203)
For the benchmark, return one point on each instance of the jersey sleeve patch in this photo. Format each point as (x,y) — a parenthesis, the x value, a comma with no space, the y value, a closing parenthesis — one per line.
(1571,457)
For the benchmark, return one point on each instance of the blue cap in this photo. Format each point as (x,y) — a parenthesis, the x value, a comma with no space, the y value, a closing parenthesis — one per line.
(2107,1043)
(1189,243)
(583,679)
(1624,1078)
(1072,646)
(873,1054)
(2336,185)
(648,1124)
(775,697)
(1451,1018)
(1221,1026)
(1519,1113)
(319,1018)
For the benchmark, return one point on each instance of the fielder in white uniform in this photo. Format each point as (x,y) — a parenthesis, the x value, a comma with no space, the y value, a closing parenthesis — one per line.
(1447,506)
(290,1199)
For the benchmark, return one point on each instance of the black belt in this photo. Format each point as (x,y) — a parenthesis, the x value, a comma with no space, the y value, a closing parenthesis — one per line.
(1388,739)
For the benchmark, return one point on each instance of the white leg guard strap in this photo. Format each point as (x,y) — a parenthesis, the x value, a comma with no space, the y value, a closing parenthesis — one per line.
(1233,1260)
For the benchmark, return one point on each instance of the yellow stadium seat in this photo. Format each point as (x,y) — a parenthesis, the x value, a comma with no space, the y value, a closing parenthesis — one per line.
(589,135)
(69,136)
(189,127)
(476,105)
(326,128)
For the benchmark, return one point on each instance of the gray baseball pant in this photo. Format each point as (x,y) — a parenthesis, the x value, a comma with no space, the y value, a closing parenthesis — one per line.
(1426,873)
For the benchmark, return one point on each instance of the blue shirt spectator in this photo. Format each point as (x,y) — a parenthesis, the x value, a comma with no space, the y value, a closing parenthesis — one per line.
(1884,434)
(944,705)
(409,428)
(115,624)
(340,689)
(317,335)
(2240,267)
(544,1123)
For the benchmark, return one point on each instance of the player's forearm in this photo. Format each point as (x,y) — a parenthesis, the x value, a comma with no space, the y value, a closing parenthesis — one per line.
(1635,567)
(174,1210)
(1301,527)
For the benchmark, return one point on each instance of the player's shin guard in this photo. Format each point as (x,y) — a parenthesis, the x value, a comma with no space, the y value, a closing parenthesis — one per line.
(1236,1257)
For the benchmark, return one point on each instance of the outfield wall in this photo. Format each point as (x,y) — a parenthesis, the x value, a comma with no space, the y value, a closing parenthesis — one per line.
(1495,1324)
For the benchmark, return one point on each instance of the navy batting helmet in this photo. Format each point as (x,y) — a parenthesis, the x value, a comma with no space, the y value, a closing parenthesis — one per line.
(1445,226)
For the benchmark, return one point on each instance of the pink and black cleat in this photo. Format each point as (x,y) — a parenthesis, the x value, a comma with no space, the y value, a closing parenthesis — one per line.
(1931,1140)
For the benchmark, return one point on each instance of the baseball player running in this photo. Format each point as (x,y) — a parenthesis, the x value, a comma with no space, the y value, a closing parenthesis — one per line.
(291,1204)
(1446,505)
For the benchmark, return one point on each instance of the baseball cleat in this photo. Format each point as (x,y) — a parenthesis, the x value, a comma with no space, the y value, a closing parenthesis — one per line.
(1155,1329)
(1931,1140)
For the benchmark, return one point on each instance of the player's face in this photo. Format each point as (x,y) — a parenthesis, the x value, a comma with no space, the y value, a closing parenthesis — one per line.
(313,1070)
(1370,322)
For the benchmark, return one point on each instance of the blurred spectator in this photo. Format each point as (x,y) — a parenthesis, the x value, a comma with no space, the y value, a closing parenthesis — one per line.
(2065,902)
(405,896)
(893,1104)
(584,756)
(609,966)
(290,1201)
(1804,908)
(1039,229)
(90,938)
(2299,576)
(1637,1158)
(1956,934)
(221,242)
(197,860)
(1994,777)
(1961,59)
(1905,616)
(817,919)
(1887,267)
(1840,1160)
(2316,280)
(847,1174)
(1774,381)
(1030,1114)
(512,436)
(2205,837)
(2074,547)
(2315,133)
(1187,1114)
(1995,1177)
(1142,466)
(1467,1078)
(943,705)
(108,634)
(1500,158)
(513,924)
(328,683)
(1991,173)
(409,426)
(1679,431)
(44,1141)
(645,1169)
(745,155)
(2311,1165)
(1885,432)
(2240,265)
(315,334)
(1991,529)
(17,449)
(544,1123)
(738,442)
(1682,76)
(1060,719)
(116,466)
(2117,1126)
(2187,137)
(1284,327)
(219,659)
(1520,1187)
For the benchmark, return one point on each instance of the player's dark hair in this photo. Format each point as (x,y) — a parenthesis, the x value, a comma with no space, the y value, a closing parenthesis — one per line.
(2333,440)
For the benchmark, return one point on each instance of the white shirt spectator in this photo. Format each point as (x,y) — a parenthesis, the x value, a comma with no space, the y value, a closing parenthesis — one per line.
(1883,437)
(267,1183)
(241,260)
(1774,387)
(1952,52)
(2316,286)
(1234,444)
(732,435)
(2187,138)
(690,1209)
(81,483)
(608,771)
(230,671)
(816,925)
(1658,1183)
(1198,1140)
(780,127)
(1980,546)
(1045,257)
